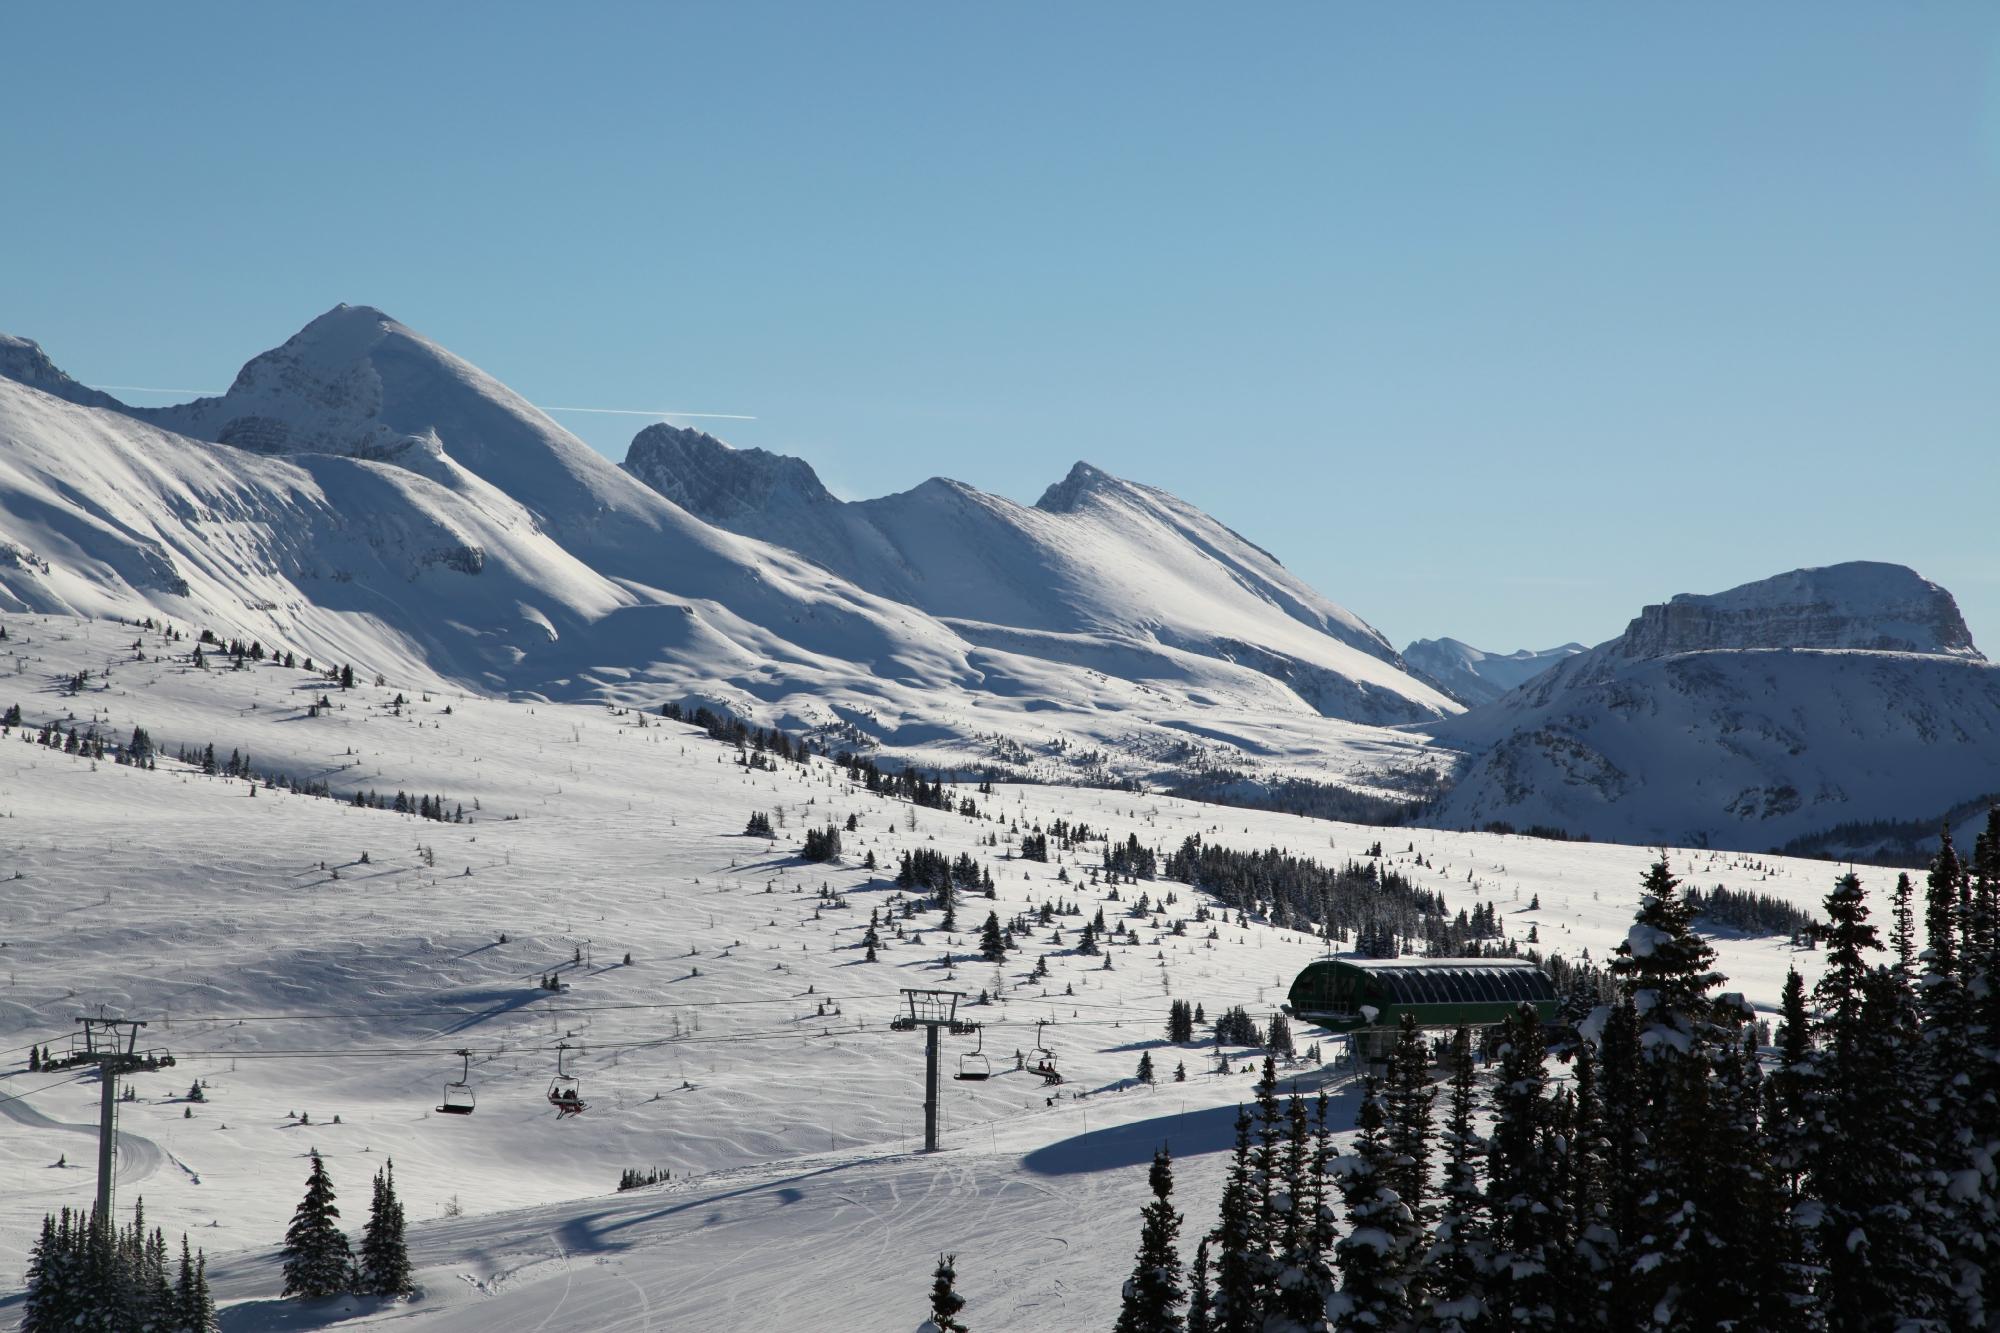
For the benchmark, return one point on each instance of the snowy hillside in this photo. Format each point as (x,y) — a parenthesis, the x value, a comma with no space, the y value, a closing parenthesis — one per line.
(305,957)
(362,494)
(1097,568)
(1768,713)
(1475,677)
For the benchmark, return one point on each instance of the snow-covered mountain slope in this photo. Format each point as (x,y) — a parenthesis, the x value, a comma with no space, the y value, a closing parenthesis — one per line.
(305,956)
(1101,563)
(1748,719)
(1473,676)
(401,510)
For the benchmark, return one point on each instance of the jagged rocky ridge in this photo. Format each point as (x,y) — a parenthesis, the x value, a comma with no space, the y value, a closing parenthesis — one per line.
(1098,569)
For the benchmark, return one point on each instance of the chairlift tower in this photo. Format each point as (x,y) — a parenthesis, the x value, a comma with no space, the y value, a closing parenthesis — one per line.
(112,1045)
(931,1010)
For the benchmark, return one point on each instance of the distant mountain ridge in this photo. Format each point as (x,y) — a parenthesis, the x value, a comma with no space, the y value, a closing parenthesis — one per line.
(1750,718)
(361,494)
(1102,563)
(1473,676)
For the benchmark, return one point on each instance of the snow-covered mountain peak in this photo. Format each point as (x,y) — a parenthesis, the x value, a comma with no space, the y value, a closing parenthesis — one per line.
(1069,494)
(1860,604)
(23,361)
(716,482)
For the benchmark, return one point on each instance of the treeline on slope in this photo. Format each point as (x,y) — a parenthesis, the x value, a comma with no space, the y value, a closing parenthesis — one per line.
(140,751)
(1366,902)
(1751,912)
(1303,796)
(1681,1177)
(759,746)
(1897,842)
(85,1273)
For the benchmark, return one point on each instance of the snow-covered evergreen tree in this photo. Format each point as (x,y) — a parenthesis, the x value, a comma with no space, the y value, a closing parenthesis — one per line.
(1668,973)
(1239,1243)
(385,1254)
(1458,1260)
(1523,1186)
(1154,1293)
(1376,1255)
(318,1261)
(945,1300)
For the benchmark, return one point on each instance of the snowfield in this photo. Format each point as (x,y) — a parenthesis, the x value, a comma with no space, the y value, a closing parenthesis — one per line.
(307,958)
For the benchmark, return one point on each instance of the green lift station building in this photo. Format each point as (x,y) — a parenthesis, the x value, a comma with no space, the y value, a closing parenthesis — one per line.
(1369,997)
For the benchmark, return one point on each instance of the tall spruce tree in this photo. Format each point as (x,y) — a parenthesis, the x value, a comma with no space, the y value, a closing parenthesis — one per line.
(1407,1099)
(1237,1306)
(193,1305)
(1523,1186)
(1376,1255)
(1154,1293)
(1976,1244)
(1198,1302)
(1859,1155)
(1667,971)
(1459,1259)
(385,1253)
(318,1261)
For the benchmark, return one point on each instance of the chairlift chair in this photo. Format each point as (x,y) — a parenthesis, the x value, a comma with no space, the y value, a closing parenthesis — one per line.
(564,1093)
(1042,1060)
(975,1067)
(458,1098)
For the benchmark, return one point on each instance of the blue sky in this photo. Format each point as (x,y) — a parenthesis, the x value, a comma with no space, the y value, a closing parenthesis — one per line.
(1495,321)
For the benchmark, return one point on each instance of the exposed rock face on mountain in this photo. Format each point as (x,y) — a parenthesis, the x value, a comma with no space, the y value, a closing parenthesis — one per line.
(1473,676)
(1748,719)
(1098,569)
(1862,604)
(23,361)
(362,495)
(709,479)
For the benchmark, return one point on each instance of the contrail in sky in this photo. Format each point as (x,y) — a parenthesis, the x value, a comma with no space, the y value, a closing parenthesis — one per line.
(601,411)
(635,412)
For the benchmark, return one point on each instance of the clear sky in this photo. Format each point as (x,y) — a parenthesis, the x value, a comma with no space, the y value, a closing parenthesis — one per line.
(1494,321)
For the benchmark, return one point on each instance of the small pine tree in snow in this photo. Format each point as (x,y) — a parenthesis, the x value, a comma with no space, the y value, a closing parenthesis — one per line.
(992,947)
(1154,1293)
(318,1262)
(945,1301)
(1146,1067)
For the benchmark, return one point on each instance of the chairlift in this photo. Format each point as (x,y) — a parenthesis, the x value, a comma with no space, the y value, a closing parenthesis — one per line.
(458,1098)
(564,1093)
(975,1067)
(1042,1060)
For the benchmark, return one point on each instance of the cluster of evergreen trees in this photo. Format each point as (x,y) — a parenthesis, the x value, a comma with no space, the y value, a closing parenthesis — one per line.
(1750,912)
(1679,1178)
(908,784)
(1362,900)
(87,1275)
(926,869)
(318,1260)
(822,844)
(1131,858)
